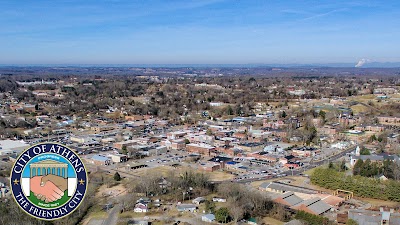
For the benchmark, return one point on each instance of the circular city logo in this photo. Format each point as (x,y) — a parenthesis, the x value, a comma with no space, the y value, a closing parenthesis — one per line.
(48,181)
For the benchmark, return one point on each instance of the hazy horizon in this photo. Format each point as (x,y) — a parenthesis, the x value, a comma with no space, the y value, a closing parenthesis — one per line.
(209,65)
(199,32)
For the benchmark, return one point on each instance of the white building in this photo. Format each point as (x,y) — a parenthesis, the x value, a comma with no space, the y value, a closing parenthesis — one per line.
(215,104)
(8,147)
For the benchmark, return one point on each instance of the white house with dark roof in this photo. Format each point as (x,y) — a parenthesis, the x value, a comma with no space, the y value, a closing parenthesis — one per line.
(141,208)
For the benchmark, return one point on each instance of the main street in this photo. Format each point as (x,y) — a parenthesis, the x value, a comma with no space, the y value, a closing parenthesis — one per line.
(298,171)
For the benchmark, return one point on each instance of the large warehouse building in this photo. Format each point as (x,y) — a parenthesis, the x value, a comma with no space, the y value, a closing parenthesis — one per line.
(8,147)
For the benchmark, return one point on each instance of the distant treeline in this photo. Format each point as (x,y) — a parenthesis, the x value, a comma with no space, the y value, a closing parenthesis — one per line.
(361,186)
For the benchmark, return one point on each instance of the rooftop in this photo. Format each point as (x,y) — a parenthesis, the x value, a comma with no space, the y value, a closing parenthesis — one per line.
(100,158)
(11,144)
(315,205)
(286,187)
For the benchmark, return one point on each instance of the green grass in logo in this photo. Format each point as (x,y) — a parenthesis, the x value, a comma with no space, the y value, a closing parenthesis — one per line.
(49,205)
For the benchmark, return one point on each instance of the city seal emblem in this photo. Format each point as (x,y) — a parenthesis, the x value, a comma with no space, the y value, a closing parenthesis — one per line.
(48,181)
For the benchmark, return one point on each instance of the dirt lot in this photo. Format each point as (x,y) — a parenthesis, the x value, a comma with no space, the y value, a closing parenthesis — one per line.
(111,192)
(165,170)
(272,221)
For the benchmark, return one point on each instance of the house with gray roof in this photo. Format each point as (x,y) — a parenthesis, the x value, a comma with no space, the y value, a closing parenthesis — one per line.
(208,218)
(186,207)
(198,200)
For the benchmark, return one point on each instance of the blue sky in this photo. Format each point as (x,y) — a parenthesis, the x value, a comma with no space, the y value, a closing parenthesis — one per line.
(198,31)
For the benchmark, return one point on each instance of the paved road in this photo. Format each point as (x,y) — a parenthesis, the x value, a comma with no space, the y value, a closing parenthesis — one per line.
(300,170)
(195,220)
(113,215)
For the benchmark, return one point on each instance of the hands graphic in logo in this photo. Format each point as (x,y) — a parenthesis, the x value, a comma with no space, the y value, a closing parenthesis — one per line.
(48,188)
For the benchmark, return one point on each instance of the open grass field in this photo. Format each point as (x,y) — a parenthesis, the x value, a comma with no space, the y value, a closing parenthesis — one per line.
(359,109)
(95,216)
(376,203)
(110,192)
(272,221)
(363,97)
(164,170)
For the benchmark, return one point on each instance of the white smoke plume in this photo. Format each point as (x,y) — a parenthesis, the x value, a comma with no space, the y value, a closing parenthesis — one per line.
(362,62)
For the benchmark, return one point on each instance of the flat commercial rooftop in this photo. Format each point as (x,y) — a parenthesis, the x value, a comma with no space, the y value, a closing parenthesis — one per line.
(11,145)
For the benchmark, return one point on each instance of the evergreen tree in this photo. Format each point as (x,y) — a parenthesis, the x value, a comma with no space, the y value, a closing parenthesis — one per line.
(230,110)
(222,215)
(322,114)
(343,166)
(358,167)
(124,150)
(283,115)
(117,177)
(365,151)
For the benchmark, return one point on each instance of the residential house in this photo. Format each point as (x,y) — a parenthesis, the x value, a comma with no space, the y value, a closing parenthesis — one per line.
(186,208)
(198,200)
(219,199)
(141,208)
(209,218)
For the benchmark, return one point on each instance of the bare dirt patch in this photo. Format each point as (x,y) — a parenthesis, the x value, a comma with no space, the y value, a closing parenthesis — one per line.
(114,191)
